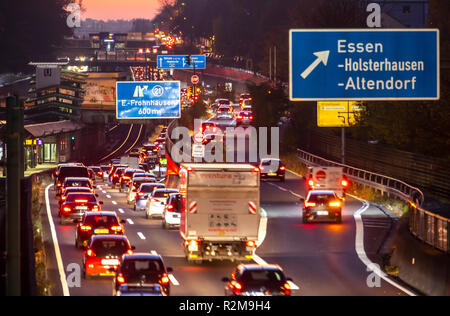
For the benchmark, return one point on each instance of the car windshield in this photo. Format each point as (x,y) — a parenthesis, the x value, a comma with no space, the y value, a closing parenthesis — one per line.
(85,198)
(105,247)
(148,188)
(261,276)
(101,220)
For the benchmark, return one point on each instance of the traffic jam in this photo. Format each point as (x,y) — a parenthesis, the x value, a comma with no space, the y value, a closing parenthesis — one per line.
(208,207)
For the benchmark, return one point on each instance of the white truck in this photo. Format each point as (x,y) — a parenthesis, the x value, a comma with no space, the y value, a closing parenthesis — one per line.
(132,162)
(328,178)
(220,214)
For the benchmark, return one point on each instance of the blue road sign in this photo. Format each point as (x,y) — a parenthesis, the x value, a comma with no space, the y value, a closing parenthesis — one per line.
(362,64)
(148,100)
(179,62)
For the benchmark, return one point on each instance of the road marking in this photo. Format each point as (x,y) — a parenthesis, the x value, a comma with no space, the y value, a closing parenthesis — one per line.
(108,196)
(360,250)
(173,280)
(114,202)
(262,231)
(130,221)
(121,211)
(62,273)
(286,190)
(141,235)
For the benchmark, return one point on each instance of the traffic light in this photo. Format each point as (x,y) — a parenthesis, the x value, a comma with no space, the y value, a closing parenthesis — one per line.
(188,60)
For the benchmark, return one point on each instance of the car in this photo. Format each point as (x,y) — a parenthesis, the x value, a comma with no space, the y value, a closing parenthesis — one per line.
(140,290)
(97,223)
(113,169)
(257,280)
(98,172)
(244,118)
(157,201)
(77,183)
(76,204)
(67,171)
(219,102)
(245,96)
(224,109)
(321,205)
(247,108)
(104,255)
(69,190)
(272,168)
(135,185)
(172,211)
(115,178)
(143,193)
(212,137)
(150,149)
(127,175)
(144,269)
(160,141)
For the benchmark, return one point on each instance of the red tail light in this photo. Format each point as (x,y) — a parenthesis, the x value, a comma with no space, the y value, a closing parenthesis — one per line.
(140,194)
(90,253)
(81,201)
(95,208)
(344,183)
(237,287)
(287,288)
(63,197)
(165,280)
(311,182)
(310,204)
(85,228)
(120,279)
(251,117)
(170,208)
(282,168)
(129,252)
(251,243)
(335,204)
(67,209)
(58,184)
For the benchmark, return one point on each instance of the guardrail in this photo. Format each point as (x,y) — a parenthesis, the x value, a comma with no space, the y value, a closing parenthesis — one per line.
(426,226)
(430,228)
(381,183)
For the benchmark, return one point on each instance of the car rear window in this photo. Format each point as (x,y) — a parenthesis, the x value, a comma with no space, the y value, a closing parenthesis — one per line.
(101,220)
(73,197)
(142,266)
(77,183)
(148,188)
(163,193)
(263,276)
(75,190)
(321,198)
(103,247)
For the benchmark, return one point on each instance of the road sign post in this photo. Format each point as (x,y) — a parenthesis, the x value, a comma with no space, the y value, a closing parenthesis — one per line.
(148,100)
(364,64)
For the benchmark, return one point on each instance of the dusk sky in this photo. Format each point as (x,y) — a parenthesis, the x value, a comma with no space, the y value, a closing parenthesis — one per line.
(120,9)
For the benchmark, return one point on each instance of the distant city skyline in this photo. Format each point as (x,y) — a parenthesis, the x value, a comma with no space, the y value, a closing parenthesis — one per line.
(120,9)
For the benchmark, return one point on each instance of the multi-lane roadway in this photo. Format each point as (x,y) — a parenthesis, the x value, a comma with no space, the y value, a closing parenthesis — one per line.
(322,259)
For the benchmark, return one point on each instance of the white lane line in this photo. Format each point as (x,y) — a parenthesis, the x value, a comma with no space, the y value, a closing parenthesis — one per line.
(62,273)
(114,202)
(360,250)
(295,173)
(141,235)
(108,196)
(286,190)
(121,211)
(130,221)
(173,280)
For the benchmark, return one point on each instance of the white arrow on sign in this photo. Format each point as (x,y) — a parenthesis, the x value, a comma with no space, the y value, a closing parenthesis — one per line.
(321,57)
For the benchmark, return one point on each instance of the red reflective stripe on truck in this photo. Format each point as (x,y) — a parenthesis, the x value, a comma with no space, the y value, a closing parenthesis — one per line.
(193,207)
(252,208)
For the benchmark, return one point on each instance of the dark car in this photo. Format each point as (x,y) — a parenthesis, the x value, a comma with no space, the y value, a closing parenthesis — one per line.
(63,197)
(97,223)
(75,183)
(76,204)
(322,205)
(104,255)
(113,169)
(257,280)
(97,171)
(116,176)
(225,109)
(160,141)
(70,171)
(142,194)
(144,269)
(272,168)
(244,118)
(126,177)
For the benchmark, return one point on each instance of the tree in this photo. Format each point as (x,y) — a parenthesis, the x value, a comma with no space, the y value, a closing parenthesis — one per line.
(31,30)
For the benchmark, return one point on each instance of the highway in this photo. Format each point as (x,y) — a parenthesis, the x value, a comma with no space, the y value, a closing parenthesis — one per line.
(321,258)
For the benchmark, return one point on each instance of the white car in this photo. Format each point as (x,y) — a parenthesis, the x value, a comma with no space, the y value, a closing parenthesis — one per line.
(172,211)
(157,202)
(143,193)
